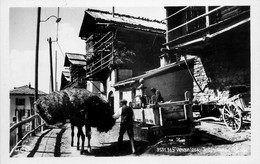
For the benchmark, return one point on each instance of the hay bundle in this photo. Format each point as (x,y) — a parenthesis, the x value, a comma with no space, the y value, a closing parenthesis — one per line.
(99,113)
(59,106)
(54,107)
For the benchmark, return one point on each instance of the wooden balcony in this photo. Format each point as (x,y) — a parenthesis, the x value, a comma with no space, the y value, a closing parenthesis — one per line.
(188,27)
(102,56)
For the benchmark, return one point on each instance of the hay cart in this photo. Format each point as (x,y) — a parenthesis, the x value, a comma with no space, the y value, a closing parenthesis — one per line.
(167,120)
(236,111)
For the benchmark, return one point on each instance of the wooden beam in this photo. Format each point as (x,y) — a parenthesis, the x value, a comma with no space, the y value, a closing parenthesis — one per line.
(203,15)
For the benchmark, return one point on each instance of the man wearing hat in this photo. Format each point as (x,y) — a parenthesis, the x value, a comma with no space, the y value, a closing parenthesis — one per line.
(127,119)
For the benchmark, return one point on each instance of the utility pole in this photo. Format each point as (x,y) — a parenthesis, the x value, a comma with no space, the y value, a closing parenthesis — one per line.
(51,70)
(56,84)
(37,54)
(36,63)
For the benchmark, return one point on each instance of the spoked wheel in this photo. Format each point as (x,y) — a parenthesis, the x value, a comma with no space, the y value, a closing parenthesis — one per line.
(232,117)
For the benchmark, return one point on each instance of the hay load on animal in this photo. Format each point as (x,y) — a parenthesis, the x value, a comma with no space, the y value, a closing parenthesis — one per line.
(81,107)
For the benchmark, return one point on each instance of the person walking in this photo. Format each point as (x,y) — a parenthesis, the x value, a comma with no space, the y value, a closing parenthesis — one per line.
(127,118)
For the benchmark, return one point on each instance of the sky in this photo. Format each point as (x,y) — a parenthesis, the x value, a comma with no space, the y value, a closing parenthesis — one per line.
(22,39)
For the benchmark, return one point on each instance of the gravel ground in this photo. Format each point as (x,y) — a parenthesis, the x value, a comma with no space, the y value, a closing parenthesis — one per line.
(210,139)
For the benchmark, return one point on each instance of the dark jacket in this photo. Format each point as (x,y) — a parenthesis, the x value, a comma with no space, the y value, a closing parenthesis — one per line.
(127,115)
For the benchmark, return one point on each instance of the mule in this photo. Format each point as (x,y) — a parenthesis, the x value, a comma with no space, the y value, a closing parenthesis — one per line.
(81,107)
(79,120)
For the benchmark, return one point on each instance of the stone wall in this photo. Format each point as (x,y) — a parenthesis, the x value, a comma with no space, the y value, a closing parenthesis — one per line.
(217,70)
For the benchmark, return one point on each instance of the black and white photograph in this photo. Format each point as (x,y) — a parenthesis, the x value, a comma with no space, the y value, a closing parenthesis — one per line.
(145,82)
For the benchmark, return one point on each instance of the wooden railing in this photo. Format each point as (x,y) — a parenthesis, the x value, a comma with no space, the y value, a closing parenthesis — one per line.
(208,22)
(20,136)
(103,54)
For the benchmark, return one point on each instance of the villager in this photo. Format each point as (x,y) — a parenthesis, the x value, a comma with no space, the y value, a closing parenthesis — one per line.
(157,97)
(143,96)
(127,118)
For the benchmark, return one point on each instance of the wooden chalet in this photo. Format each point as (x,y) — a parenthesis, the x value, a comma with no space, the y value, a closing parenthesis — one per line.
(119,47)
(219,38)
(120,40)
(74,76)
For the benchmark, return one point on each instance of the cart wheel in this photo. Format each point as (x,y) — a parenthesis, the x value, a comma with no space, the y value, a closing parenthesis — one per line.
(232,117)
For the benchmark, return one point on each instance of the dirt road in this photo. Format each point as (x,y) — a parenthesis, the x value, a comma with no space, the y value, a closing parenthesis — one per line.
(210,139)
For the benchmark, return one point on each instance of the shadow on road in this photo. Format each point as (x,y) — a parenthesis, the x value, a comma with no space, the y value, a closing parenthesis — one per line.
(32,153)
(57,152)
(202,137)
(111,149)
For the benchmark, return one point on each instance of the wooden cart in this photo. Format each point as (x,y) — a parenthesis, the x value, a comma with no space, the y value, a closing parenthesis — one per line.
(169,119)
(236,110)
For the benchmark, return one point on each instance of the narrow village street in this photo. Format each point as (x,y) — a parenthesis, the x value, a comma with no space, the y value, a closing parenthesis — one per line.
(182,74)
(210,139)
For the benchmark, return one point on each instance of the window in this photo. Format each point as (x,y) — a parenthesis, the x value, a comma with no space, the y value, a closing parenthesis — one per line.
(20,106)
(20,101)
(120,95)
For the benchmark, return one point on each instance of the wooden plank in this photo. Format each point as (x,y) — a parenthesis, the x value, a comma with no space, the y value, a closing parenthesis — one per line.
(177,12)
(192,20)
(168,104)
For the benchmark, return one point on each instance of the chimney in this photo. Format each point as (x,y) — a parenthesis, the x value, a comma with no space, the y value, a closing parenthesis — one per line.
(29,85)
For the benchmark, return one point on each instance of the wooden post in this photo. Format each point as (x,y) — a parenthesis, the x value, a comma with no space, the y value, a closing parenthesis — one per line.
(189,106)
(160,116)
(207,16)
(20,130)
(143,114)
(167,27)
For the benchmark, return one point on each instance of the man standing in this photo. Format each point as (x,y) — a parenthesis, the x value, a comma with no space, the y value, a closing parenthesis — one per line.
(157,97)
(127,119)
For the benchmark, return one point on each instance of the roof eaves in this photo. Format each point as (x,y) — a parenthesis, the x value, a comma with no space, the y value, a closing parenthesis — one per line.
(125,19)
(75,59)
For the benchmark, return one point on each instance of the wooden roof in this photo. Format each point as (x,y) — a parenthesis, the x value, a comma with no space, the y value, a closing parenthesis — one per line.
(74,59)
(96,17)
(66,75)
